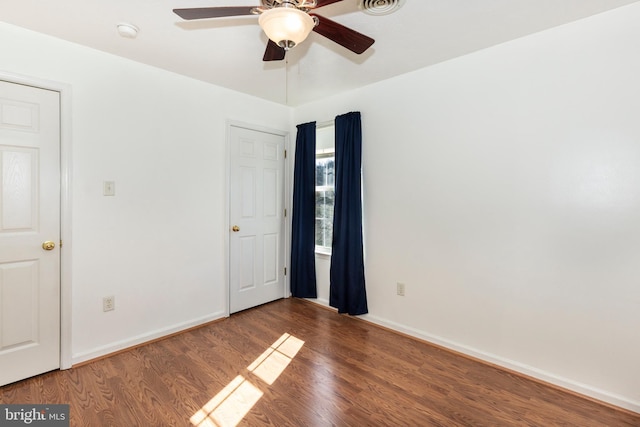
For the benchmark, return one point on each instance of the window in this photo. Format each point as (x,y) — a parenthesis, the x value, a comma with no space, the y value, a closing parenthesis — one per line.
(324,200)
(325,167)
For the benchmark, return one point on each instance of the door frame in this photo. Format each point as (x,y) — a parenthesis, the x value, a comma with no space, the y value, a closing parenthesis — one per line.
(65,203)
(286,203)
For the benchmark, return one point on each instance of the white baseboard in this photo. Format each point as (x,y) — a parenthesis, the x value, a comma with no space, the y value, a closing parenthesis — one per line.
(143,338)
(575,386)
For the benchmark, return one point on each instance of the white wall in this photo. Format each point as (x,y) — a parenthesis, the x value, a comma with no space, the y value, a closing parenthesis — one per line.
(503,188)
(159,244)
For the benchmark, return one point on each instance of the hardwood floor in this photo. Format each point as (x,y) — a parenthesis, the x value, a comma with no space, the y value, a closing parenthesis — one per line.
(346,373)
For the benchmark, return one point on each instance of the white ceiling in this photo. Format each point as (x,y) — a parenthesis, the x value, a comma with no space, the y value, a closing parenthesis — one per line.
(228,51)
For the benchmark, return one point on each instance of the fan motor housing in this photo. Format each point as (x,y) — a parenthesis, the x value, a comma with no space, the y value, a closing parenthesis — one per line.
(298,3)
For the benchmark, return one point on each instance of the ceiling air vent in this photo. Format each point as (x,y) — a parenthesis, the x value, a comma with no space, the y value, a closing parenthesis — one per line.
(380,7)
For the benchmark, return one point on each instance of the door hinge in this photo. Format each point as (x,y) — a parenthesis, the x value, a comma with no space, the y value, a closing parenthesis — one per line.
(60,243)
(285,154)
(285,213)
(285,271)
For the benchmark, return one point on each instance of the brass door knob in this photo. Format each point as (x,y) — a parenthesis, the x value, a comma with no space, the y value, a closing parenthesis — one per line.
(48,245)
(235,228)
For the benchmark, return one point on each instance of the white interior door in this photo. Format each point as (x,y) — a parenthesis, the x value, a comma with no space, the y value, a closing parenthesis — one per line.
(256,216)
(29,216)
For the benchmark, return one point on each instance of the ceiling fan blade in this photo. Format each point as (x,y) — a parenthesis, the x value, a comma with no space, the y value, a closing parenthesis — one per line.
(213,12)
(326,2)
(273,52)
(344,36)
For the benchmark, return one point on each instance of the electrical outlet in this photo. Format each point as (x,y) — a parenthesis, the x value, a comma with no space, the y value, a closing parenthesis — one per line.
(400,289)
(108,303)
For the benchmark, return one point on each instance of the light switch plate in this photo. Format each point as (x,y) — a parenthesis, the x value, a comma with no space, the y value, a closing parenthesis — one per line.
(109,188)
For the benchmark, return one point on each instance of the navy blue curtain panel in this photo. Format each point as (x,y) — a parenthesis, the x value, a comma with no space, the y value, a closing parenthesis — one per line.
(303,242)
(347,289)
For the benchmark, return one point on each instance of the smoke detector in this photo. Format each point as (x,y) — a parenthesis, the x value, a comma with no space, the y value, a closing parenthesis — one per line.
(380,7)
(128,31)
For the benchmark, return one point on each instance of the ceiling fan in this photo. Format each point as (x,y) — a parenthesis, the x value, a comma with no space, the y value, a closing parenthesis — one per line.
(287,23)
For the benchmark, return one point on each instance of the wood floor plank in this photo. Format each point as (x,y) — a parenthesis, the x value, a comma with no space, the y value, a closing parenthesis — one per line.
(347,373)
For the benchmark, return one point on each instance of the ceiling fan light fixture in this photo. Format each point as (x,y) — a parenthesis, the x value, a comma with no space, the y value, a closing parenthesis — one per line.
(286,26)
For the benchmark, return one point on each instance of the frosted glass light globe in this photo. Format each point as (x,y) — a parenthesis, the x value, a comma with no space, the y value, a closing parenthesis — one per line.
(286,26)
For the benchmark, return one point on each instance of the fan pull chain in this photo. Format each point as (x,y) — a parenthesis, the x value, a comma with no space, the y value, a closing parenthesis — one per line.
(286,81)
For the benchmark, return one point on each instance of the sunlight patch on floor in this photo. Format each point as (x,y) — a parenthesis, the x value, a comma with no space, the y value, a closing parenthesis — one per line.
(276,358)
(233,402)
(229,406)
